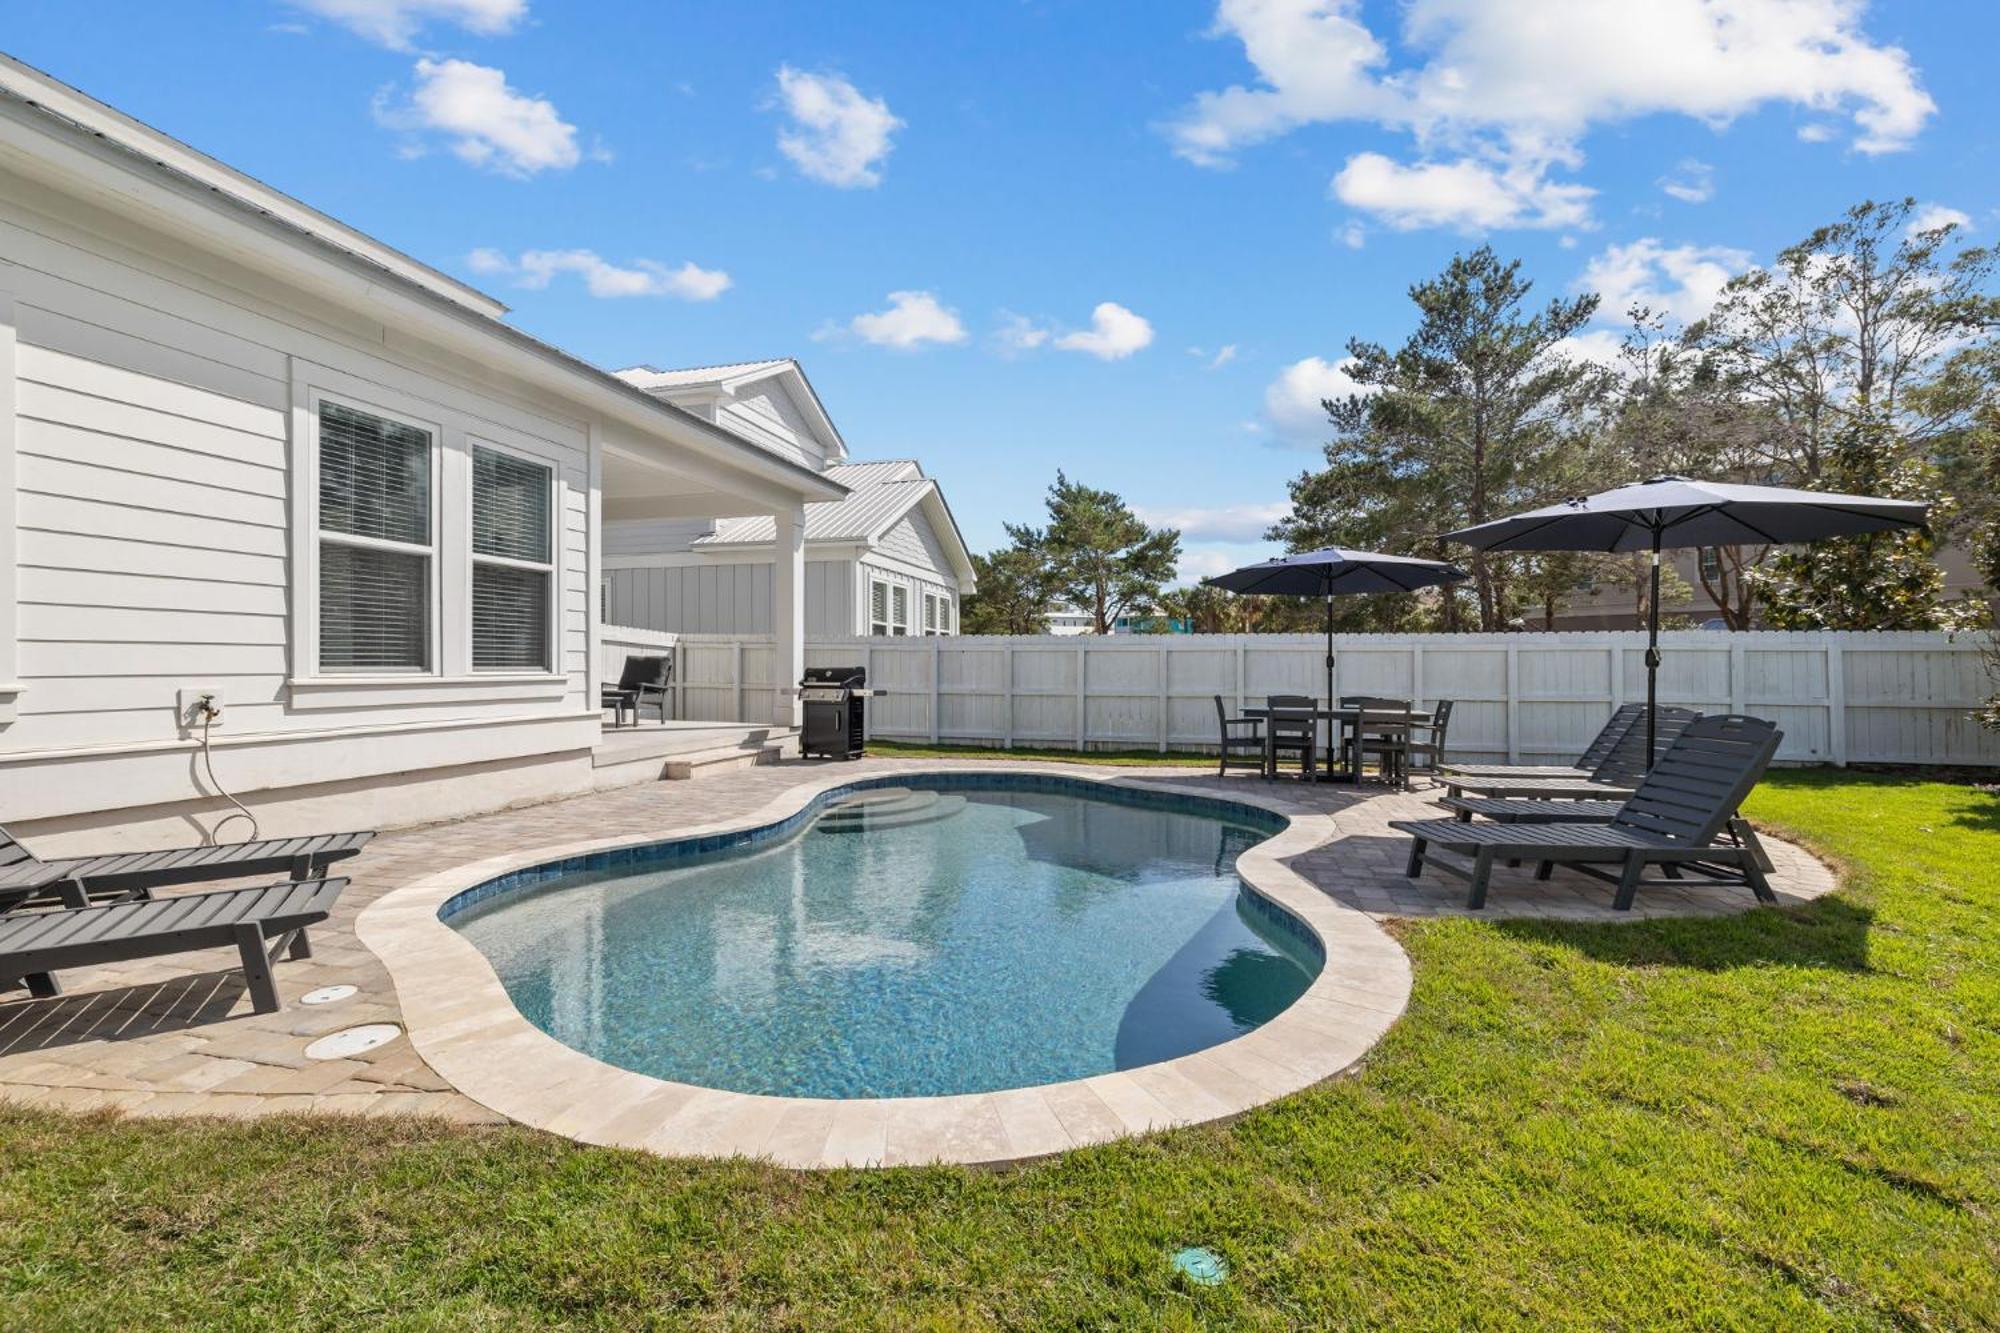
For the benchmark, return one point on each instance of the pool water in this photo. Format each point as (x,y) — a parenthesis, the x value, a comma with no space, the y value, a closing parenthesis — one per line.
(913,943)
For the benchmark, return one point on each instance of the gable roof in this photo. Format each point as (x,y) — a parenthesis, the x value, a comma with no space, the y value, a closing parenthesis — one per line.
(730,378)
(879,496)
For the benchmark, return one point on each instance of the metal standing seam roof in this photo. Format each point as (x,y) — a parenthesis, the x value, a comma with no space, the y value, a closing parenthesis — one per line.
(878,494)
(650,378)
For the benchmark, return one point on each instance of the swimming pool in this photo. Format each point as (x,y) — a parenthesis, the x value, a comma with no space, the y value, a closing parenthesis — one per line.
(957,935)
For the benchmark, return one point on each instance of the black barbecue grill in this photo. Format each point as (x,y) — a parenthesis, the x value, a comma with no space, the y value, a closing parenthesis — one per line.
(836,701)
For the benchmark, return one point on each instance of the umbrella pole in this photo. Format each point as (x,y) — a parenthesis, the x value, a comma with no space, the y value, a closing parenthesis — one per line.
(1653,655)
(1331,725)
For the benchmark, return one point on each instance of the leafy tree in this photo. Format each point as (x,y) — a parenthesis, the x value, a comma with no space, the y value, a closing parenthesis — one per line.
(1853,323)
(1481,412)
(1100,555)
(1016,591)
(1676,412)
(1879,580)
(1858,343)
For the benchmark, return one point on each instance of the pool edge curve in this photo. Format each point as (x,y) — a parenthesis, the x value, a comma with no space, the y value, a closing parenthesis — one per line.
(461,1020)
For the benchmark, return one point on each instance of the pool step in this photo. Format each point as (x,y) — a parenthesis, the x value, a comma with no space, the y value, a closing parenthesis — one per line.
(888,807)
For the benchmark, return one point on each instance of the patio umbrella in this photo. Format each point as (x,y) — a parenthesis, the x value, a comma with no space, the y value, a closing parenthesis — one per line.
(1334,572)
(1673,512)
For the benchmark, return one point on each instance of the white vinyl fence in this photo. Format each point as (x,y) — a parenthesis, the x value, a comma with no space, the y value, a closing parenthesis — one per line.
(1840,698)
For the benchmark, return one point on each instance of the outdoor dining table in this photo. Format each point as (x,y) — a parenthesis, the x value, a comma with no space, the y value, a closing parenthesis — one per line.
(1343,719)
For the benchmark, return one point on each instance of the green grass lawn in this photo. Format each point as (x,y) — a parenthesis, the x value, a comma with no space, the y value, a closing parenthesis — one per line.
(1783,1119)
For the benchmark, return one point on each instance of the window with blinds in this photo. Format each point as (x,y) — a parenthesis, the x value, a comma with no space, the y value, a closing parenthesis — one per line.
(878,608)
(899,610)
(513,561)
(374,542)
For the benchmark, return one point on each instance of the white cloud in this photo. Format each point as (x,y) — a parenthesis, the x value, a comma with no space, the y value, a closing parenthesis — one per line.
(1017,334)
(1679,281)
(1352,235)
(395,23)
(1932,216)
(537,268)
(1599,347)
(1466,193)
(1224,523)
(1206,561)
(837,136)
(1692,182)
(1114,333)
(1497,96)
(912,319)
(1221,357)
(488,123)
(1293,401)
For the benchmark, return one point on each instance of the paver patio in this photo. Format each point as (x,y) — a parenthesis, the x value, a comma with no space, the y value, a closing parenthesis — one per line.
(175,1036)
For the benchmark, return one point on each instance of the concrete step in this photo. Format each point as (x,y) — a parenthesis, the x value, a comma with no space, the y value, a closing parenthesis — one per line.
(702,763)
(892,814)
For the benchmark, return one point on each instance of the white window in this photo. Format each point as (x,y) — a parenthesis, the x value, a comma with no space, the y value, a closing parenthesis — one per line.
(513,561)
(376,542)
(937,613)
(878,608)
(888,609)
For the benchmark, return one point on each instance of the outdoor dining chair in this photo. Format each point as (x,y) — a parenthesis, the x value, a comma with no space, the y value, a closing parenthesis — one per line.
(1292,730)
(1426,739)
(1241,740)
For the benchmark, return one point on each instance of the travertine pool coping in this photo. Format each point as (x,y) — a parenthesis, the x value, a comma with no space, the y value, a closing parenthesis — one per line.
(466,1027)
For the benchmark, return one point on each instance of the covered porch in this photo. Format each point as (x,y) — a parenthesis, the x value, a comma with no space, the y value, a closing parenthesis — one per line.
(643,479)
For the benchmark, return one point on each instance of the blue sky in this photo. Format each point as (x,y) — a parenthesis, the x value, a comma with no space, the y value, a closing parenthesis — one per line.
(1132,239)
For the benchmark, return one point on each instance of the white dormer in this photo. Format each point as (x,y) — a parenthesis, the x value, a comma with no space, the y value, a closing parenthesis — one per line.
(769,403)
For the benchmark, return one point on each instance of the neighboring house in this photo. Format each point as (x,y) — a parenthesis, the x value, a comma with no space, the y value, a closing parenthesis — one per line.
(1066,620)
(1609,606)
(248,451)
(887,559)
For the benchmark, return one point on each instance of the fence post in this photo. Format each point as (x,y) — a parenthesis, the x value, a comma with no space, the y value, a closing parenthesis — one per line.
(1166,703)
(868,671)
(1242,651)
(937,652)
(1836,697)
(1739,701)
(1416,675)
(1082,707)
(1007,695)
(736,676)
(1513,704)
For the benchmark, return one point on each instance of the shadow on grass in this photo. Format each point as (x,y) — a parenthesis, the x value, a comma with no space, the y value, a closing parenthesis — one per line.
(120,1014)
(1829,932)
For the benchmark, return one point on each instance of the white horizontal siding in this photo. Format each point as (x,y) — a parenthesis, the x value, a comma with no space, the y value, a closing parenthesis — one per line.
(153,453)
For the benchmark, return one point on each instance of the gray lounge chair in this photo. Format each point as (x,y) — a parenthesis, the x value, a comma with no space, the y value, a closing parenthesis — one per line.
(1616,776)
(27,880)
(1673,821)
(1595,753)
(262,923)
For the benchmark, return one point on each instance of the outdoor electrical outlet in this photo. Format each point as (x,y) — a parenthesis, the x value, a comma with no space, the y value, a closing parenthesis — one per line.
(193,704)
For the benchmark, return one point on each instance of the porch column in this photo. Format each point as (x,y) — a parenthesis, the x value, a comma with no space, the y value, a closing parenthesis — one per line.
(788,614)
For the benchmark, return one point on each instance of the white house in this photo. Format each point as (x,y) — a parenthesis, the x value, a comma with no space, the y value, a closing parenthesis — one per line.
(251,453)
(886,559)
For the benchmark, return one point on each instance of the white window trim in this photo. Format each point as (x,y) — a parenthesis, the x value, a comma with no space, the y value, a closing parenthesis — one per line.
(552,570)
(431,551)
(451,679)
(892,627)
(10,565)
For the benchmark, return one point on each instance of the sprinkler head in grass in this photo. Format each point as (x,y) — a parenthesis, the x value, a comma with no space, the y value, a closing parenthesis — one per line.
(1203,1267)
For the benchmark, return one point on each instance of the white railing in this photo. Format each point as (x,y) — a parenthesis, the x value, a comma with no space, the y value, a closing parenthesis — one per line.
(1840,698)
